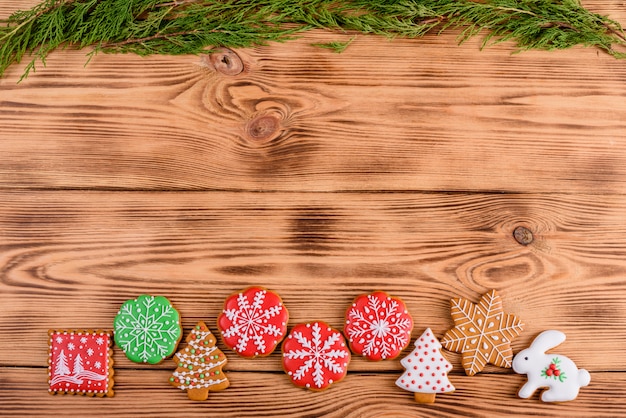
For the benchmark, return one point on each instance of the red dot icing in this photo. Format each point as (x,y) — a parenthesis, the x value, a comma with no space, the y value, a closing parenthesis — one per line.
(435,379)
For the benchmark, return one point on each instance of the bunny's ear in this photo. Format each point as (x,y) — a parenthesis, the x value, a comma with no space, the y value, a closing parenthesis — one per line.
(547,340)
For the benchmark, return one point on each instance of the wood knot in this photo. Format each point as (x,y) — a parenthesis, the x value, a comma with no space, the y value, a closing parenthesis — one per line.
(226,61)
(263,128)
(523,235)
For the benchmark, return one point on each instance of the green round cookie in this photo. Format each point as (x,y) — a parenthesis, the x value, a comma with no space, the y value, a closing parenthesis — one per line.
(147,329)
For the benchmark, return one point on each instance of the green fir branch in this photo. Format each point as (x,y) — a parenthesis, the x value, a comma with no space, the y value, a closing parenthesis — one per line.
(336,46)
(176,27)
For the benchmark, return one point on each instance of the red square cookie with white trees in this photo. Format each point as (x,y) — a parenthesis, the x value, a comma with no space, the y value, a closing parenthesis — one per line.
(80,362)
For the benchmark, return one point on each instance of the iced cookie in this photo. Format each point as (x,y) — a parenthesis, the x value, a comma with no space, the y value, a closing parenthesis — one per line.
(253,322)
(80,362)
(315,355)
(555,372)
(378,326)
(147,329)
(482,333)
(199,365)
(426,370)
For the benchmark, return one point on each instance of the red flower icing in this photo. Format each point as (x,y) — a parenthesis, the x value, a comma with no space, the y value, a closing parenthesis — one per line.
(80,362)
(253,322)
(378,326)
(315,355)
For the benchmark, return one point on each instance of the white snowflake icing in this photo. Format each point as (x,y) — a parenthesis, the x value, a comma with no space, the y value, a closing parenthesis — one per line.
(250,322)
(100,341)
(70,346)
(83,340)
(318,355)
(90,351)
(380,326)
(59,340)
(97,365)
(147,330)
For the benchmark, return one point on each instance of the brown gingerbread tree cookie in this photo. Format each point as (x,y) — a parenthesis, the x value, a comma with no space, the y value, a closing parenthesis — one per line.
(199,365)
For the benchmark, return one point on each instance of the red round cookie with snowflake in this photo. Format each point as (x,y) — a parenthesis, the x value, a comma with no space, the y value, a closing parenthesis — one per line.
(253,322)
(315,355)
(378,326)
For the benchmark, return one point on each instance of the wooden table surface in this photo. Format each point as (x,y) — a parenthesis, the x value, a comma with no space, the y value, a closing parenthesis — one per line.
(402,166)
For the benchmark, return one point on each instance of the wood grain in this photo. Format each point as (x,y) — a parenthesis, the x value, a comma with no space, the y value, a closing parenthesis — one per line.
(255,395)
(402,165)
(411,115)
(78,252)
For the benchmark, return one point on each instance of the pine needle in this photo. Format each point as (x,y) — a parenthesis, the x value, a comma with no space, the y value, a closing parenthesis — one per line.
(336,46)
(175,27)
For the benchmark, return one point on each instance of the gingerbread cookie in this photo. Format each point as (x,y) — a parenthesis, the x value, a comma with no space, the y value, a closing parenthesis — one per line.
(482,333)
(315,355)
(555,372)
(147,329)
(80,362)
(426,370)
(253,322)
(378,326)
(200,365)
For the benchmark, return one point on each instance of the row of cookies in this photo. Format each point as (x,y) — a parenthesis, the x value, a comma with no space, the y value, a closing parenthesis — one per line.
(254,322)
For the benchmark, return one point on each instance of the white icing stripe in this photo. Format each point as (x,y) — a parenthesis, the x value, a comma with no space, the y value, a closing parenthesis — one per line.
(204,370)
(206,384)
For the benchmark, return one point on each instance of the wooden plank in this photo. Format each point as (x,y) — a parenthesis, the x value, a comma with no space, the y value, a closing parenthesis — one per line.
(69,259)
(164,138)
(404,115)
(146,392)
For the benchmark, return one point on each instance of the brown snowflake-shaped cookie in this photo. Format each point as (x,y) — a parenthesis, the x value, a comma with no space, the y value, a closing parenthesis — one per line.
(482,333)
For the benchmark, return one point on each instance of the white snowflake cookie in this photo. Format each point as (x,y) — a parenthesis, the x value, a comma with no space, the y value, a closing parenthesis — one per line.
(253,322)
(378,326)
(147,329)
(315,355)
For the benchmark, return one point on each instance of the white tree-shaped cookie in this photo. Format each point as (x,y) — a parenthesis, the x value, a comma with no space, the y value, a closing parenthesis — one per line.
(427,370)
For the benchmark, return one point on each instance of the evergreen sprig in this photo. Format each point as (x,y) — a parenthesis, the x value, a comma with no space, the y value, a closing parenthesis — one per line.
(176,27)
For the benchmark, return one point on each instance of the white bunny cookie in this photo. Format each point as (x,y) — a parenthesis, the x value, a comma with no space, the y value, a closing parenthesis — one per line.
(557,373)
